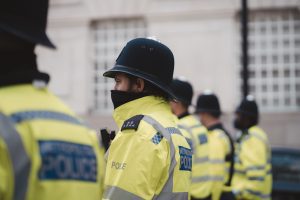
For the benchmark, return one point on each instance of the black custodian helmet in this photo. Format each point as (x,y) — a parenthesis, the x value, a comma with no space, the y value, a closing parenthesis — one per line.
(248,107)
(208,102)
(147,59)
(183,91)
(25,19)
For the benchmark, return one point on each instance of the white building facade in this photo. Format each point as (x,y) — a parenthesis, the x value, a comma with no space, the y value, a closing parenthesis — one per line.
(204,36)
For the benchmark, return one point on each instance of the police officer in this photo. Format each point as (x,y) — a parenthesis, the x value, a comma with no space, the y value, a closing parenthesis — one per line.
(220,143)
(252,178)
(149,158)
(197,135)
(46,152)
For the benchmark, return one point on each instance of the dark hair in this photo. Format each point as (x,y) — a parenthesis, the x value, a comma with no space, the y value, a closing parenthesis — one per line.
(215,114)
(185,105)
(149,88)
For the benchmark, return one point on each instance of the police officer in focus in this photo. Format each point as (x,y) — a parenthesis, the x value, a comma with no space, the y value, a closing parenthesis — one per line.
(220,144)
(252,178)
(149,158)
(46,152)
(201,185)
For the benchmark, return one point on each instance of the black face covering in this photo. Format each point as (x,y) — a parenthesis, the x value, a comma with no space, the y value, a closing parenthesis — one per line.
(238,124)
(121,97)
(242,123)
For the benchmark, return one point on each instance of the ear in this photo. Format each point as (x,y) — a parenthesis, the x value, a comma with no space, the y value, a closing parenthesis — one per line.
(140,85)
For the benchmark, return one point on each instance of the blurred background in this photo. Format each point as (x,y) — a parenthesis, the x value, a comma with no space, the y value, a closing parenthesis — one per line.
(205,37)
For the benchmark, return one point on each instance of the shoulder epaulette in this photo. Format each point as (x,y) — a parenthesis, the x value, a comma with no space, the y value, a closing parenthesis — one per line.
(132,123)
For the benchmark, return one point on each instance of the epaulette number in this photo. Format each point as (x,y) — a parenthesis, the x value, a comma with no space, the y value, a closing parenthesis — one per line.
(132,123)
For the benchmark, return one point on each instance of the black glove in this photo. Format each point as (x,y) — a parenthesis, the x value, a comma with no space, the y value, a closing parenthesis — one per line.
(107,137)
(227,196)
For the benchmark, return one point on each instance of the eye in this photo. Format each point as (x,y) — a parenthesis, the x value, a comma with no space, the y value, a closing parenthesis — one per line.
(117,80)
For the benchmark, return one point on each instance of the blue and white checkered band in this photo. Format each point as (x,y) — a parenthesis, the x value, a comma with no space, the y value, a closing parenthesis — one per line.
(157,138)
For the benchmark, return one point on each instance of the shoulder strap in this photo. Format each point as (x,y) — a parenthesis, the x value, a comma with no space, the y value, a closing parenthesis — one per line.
(18,155)
(230,158)
(132,123)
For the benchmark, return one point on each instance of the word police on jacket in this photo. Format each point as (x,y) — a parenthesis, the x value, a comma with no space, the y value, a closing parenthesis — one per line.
(65,160)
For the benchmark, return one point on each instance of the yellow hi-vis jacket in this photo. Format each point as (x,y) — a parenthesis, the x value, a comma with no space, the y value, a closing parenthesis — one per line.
(252,178)
(221,159)
(149,158)
(45,150)
(201,185)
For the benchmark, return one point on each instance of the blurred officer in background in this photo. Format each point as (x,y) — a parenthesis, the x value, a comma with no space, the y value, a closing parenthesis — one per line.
(220,143)
(45,150)
(252,178)
(149,158)
(201,184)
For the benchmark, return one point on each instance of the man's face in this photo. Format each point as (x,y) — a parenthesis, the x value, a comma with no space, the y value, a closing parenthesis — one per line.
(122,82)
(173,105)
(201,117)
(239,122)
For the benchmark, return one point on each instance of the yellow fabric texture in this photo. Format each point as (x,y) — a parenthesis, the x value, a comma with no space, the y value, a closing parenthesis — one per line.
(219,147)
(253,177)
(201,185)
(21,98)
(144,165)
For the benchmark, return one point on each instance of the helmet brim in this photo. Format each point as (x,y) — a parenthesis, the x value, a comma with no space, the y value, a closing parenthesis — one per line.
(36,38)
(203,110)
(134,72)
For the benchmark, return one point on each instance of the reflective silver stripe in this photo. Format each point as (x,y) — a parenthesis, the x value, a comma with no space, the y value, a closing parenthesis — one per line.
(185,128)
(189,130)
(118,193)
(239,171)
(172,196)
(168,187)
(259,194)
(258,167)
(260,138)
(252,168)
(19,117)
(196,126)
(217,161)
(200,179)
(19,158)
(256,178)
(217,178)
(173,130)
(207,178)
(201,159)
(158,127)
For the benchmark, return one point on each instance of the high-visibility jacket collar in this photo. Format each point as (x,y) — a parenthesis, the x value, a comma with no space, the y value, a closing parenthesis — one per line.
(145,105)
(215,126)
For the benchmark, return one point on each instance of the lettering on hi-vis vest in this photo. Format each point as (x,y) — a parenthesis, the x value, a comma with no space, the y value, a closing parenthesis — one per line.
(118,165)
(65,160)
(185,158)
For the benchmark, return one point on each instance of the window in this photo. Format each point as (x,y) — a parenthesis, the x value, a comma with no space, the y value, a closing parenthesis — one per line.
(274,59)
(109,37)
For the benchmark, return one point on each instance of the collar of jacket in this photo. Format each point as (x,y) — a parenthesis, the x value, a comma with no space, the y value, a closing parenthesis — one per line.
(189,120)
(142,106)
(215,126)
(184,115)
